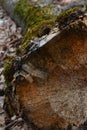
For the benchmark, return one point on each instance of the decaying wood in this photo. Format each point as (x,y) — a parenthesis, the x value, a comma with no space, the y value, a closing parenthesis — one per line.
(61,100)
(34,72)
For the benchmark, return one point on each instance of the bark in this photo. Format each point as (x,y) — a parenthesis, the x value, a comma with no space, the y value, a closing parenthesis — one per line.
(52,93)
(60,99)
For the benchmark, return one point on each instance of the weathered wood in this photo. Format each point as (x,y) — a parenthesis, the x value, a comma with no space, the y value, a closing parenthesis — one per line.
(34,72)
(61,100)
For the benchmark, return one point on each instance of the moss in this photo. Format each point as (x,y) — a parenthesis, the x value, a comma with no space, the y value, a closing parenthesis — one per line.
(67,13)
(34,18)
(30,14)
(32,32)
(8,71)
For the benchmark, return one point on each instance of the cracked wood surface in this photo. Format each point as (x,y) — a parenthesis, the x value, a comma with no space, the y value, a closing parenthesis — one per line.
(61,99)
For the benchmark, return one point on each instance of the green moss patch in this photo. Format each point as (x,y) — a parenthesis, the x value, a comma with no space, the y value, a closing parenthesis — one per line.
(34,18)
(65,14)
(8,71)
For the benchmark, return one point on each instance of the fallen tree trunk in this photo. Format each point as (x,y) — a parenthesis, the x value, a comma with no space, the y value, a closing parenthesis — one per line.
(60,100)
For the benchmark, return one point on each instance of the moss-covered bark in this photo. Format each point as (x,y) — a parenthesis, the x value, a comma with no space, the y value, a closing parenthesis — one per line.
(8,72)
(34,18)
